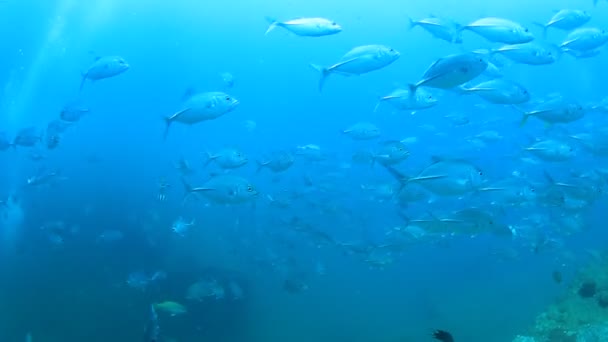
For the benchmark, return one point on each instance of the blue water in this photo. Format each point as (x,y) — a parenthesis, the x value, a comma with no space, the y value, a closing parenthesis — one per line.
(482,288)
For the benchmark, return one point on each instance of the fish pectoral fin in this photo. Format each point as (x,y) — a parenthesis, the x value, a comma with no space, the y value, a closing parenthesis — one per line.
(423,178)
(339,64)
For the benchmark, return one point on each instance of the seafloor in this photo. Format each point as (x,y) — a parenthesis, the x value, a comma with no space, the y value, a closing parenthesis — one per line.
(581,313)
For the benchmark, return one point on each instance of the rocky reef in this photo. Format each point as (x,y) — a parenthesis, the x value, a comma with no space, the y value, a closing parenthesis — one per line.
(580,314)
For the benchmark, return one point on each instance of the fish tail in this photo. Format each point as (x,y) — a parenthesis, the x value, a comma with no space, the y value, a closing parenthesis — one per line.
(524,120)
(209,159)
(168,122)
(410,23)
(83,80)
(260,166)
(273,24)
(543,27)
(187,188)
(324,74)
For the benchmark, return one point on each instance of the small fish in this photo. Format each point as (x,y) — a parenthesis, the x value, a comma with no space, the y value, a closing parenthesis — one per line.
(224,189)
(52,141)
(278,162)
(27,137)
(402,100)
(181,227)
(585,39)
(227,79)
(72,113)
(500,91)
(566,19)
(202,107)
(362,131)
(306,27)
(359,60)
(440,28)
(170,307)
(557,277)
(500,30)
(227,158)
(531,53)
(104,67)
(443,336)
(554,110)
(551,150)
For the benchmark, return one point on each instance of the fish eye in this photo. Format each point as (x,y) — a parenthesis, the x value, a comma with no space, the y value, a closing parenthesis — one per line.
(227,98)
(526,30)
(249,188)
(429,97)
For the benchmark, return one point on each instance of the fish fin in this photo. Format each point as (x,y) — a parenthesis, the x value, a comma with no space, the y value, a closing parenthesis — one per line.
(261,165)
(188,189)
(412,87)
(542,26)
(410,23)
(273,23)
(397,175)
(188,93)
(324,74)
(168,121)
(377,106)
(210,158)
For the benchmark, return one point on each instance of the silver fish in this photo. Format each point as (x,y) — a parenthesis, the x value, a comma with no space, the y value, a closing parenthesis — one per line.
(105,67)
(359,60)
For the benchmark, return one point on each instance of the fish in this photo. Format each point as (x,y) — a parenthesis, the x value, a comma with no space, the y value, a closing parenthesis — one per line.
(181,227)
(227,79)
(358,61)
(170,307)
(553,110)
(72,112)
(452,71)
(27,137)
(104,67)
(279,161)
(551,150)
(442,336)
(585,39)
(566,19)
(531,53)
(306,27)
(362,131)
(311,152)
(200,107)
(444,177)
(500,30)
(206,288)
(557,276)
(227,158)
(224,189)
(391,152)
(500,91)
(441,28)
(402,100)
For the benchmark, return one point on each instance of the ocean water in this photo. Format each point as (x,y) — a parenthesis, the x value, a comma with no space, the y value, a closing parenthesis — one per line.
(315,256)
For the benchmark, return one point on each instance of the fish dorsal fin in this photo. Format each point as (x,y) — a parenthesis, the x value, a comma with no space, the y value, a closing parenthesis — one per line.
(189,92)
